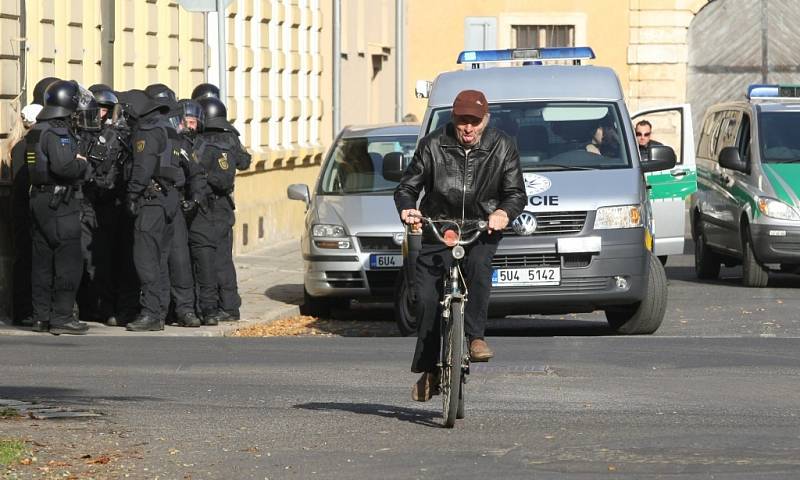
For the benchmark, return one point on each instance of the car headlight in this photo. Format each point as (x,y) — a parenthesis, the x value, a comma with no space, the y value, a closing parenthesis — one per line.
(624,216)
(328,231)
(777,209)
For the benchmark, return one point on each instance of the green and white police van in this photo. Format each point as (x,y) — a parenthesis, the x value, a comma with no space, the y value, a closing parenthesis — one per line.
(746,209)
(590,235)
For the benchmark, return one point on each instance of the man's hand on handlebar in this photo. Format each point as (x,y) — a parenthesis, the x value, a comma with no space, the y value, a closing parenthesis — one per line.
(498,220)
(411,216)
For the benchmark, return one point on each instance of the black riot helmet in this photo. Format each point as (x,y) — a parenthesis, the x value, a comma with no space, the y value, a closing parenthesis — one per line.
(186,110)
(41,86)
(216,114)
(105,97)
(161,93)
(87,115)
(141,103)
(60,100)
(205,90)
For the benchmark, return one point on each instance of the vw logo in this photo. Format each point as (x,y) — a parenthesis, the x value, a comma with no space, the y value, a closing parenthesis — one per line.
(525,224)
(397,238)
(536,184)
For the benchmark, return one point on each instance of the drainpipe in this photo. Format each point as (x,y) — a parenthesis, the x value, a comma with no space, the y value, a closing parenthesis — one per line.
(399,53)
(337,66)
(23,53)
(107,38)
(222,46)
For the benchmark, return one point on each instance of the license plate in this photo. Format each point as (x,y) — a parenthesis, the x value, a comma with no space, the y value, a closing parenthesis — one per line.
(525,277)
(385,261)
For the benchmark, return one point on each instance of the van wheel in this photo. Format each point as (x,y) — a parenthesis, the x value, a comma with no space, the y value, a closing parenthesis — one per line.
(320,307)
(663,260)
(706,261)
(644,317)
(404,306)
(754,275)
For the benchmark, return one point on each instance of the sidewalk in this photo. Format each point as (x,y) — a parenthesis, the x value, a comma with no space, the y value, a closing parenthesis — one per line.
(270,284)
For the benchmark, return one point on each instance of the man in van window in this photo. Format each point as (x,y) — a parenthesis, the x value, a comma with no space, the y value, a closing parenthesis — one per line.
(471,172)
(644,130)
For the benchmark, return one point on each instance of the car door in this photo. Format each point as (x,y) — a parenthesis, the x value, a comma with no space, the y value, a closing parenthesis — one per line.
(671,126)
(725,235)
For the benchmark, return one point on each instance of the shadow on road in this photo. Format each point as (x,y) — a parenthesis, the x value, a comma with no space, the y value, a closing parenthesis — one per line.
(289,293)
(64,395)
(418,417)
(548,327)
(732,277)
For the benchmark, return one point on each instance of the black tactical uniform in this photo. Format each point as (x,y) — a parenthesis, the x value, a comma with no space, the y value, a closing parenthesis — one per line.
(220,153)
(21,221)
(152,196)
(56,173)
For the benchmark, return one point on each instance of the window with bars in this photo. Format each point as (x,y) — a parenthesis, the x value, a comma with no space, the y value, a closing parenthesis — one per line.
(537,36)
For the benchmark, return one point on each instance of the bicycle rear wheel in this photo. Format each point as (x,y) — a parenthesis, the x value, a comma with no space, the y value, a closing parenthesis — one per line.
(452,356)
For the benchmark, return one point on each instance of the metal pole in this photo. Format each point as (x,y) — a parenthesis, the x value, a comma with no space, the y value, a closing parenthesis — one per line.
(221,47)
(399,53)
(107,35)
(337,66)
(23,54)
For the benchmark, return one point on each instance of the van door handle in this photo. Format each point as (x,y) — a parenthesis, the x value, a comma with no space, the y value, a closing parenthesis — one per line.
(678,173)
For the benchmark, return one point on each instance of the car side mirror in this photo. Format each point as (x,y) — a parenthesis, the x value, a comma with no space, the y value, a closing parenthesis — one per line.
(662,157)
(299,191)
(729,158)
(394,166)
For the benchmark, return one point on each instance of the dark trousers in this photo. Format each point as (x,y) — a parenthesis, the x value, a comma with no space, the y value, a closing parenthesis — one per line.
(433,266)
(56,257)
(22,260)
(227,286)
(96,293)
(208,239)
(152,238)
(180,269)
(126,285)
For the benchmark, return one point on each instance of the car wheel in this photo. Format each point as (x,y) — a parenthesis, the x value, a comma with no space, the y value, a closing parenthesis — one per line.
(315,306)
(706,261)
(644,317)
(404,306)
(663,259)
(753,274)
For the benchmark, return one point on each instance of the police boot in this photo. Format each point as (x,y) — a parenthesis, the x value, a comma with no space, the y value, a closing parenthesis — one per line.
(42,326)
(145,323)
(212,318)
(188,320)
(73,327)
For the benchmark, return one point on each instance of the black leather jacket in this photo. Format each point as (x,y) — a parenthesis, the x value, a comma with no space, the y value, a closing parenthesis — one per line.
(485,179)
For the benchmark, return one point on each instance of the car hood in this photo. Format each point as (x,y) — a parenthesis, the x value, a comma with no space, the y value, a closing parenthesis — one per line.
(581,189)
(360,214)
(785,180)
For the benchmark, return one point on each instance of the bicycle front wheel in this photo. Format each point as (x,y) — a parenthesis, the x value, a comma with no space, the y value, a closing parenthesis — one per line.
(453,355)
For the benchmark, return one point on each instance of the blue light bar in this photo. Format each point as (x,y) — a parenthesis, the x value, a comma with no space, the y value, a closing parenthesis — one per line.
(526,55)
(758,90)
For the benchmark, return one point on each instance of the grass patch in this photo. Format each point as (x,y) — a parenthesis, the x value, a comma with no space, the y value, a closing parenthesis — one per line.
(7,412)
(11,451)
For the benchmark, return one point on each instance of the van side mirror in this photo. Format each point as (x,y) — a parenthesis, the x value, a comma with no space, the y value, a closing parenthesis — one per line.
(394,166)
(729,158)
(299,191)
(662,157)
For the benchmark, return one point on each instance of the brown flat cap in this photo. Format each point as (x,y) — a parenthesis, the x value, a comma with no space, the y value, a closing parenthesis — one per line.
(470,102)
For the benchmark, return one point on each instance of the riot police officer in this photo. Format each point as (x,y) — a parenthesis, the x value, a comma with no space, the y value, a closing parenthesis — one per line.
(106,99)
(152,197)
(205,90)
(220,153)
(56,172)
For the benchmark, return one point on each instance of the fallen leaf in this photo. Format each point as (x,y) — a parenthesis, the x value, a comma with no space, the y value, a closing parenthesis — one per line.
(101,460)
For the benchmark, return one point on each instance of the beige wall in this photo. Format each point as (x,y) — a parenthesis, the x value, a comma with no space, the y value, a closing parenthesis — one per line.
(435,32)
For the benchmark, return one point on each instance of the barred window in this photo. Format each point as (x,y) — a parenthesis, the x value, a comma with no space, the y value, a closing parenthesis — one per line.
(536,36)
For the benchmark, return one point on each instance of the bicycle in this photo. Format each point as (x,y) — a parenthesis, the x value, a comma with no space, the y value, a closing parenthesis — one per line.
(454,357)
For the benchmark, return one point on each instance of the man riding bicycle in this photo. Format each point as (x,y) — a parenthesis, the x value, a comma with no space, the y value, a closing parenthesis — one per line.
(468,172)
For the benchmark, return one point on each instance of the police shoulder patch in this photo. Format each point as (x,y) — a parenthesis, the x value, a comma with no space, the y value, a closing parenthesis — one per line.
(140,146)
(223,161)
(65,141)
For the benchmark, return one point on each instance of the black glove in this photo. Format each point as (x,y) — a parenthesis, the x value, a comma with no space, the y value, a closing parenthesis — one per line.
(189,206)
(132,205)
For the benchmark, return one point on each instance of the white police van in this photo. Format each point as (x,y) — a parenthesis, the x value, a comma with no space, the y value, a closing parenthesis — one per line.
(585,241)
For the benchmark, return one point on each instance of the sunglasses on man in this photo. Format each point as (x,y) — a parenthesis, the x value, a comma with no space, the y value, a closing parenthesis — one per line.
(643,134)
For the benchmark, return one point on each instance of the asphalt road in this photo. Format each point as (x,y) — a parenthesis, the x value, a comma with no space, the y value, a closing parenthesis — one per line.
(715,394)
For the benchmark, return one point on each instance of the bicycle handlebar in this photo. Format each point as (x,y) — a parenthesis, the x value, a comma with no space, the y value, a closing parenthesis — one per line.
(482,226)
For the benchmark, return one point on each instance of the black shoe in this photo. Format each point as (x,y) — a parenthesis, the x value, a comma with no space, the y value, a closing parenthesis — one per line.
(145,323)
(73,327)
(212,318)
(113,321)
(188,320)
(40,326)
(24,322)
(233,315)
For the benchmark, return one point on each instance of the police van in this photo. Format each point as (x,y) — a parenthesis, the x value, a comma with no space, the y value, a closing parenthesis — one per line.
(746,210)
(589,236)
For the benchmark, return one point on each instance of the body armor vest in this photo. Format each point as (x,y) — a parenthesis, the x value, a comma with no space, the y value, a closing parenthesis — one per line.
(169,160)
(214,154)
(35,157)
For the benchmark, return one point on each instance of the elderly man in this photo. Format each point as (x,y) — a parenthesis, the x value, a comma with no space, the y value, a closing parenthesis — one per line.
(468,172)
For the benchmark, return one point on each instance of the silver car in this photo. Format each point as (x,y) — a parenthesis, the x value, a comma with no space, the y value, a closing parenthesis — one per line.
(351,243)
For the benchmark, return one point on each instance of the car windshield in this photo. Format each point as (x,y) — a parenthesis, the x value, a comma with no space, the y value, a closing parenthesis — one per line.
(778,138)
(356,164)
(558,135)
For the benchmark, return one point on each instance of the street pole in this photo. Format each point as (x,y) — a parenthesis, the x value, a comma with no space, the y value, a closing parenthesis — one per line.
(399,53)
(337,66)
(222,47)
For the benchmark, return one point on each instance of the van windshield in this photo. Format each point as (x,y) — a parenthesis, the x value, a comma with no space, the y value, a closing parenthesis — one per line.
(558,135)
(778,138)
(356,164)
